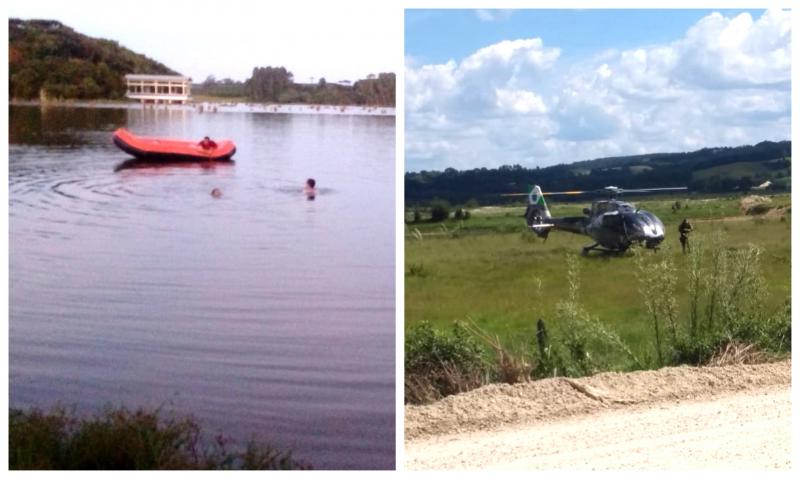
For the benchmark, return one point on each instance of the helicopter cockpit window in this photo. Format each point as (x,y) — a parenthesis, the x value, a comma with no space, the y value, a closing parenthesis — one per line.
(600,207)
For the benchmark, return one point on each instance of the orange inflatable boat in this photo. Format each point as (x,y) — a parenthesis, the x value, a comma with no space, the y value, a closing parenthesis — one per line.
(165,149)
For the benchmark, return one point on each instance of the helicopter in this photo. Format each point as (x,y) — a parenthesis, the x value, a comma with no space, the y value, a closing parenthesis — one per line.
(613,225)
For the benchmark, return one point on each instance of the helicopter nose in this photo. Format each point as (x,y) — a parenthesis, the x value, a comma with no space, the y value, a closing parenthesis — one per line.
(653,229)
(643,226)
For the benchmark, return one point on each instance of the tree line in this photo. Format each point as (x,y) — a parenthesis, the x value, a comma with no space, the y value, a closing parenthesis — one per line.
(724,169)
(277,85)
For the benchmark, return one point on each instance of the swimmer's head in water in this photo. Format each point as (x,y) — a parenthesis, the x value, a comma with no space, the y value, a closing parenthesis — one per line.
(311,183)
(216,193)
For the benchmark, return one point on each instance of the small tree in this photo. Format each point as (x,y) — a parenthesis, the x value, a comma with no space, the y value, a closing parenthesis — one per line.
(440,211)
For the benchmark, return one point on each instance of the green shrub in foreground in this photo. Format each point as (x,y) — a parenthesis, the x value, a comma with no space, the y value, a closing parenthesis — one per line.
(119,439)
(438,363)
(726,289)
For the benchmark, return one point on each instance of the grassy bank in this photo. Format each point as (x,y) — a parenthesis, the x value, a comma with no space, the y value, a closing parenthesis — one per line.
(119,439)
(498,280)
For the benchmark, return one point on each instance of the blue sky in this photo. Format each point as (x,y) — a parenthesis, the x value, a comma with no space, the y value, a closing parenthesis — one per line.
(540,87)
(435,36)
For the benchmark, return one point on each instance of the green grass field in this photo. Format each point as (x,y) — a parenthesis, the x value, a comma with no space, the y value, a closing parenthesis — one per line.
(489,269)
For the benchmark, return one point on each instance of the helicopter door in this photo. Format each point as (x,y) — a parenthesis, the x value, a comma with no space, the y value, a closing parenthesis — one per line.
(613,221)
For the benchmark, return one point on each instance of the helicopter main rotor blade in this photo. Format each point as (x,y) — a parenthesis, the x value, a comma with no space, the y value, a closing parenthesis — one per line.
(548,193)
(608,190)
(646,190)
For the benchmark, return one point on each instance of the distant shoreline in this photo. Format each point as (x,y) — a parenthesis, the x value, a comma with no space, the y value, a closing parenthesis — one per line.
(219,106)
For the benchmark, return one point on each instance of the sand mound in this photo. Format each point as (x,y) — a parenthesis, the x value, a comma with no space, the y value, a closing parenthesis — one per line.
(755,205)
(500,405)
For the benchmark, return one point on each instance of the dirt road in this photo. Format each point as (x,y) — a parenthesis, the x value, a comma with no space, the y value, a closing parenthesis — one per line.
(732,417)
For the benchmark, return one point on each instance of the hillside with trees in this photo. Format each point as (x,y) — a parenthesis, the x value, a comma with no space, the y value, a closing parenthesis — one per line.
(47,59)
(710,170)
(46,56)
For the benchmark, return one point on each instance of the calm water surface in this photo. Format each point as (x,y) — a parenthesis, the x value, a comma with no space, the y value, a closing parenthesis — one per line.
(261,313)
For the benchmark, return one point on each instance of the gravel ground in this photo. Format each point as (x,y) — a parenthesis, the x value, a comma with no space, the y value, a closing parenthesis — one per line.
(729,417)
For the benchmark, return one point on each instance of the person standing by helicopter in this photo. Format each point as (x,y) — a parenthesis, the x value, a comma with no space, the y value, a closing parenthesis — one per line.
(684,229)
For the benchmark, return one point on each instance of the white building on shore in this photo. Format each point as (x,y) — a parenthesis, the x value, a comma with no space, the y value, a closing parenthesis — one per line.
(159,88)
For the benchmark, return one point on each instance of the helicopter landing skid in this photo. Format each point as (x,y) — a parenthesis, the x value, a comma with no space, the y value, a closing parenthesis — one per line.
(601,250)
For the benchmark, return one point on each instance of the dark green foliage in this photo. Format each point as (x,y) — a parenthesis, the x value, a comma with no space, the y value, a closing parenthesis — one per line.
(438,363)
(45,55)
(276,85)
(120,439)
(268,83)
(440,211)
(376,91)
(418,270)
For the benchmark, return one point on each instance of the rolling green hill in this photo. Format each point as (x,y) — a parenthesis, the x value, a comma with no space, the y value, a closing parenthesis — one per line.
(724,169)
(764,170)
(47,58)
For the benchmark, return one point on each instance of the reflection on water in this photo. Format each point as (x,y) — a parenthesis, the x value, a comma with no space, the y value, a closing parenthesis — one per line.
(155,165)
(259,312)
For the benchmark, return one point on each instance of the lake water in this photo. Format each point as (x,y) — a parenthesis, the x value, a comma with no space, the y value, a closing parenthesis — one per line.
(260,313)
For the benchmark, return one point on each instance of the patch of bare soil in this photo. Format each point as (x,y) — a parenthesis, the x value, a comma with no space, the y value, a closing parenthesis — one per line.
(502,405)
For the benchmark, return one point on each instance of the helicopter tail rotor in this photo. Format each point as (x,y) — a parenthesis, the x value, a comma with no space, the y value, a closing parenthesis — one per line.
(537,215)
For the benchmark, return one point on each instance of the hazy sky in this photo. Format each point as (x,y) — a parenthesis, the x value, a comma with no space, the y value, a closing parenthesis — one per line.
(227,38)
(541,87)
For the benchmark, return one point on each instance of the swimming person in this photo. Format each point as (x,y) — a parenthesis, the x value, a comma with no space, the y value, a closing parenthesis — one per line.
(216,193)
(310,189)
(207,143)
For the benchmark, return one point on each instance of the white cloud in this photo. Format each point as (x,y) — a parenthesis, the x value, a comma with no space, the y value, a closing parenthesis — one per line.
(429,83)
(519,101)
(725,82)
(485,15)
(737,52)
(511,52)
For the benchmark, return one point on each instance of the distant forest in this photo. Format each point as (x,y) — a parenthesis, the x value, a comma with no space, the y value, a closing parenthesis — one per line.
(276,85)
(725,169)
(49,59)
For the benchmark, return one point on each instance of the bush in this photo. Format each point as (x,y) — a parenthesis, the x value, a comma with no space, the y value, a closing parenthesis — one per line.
(418,270)
(583,342)
(438,364)
(725,289)
(440,211)
(119,439)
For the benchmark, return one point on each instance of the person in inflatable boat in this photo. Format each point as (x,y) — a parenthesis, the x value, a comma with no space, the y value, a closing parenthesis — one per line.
(208,144)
